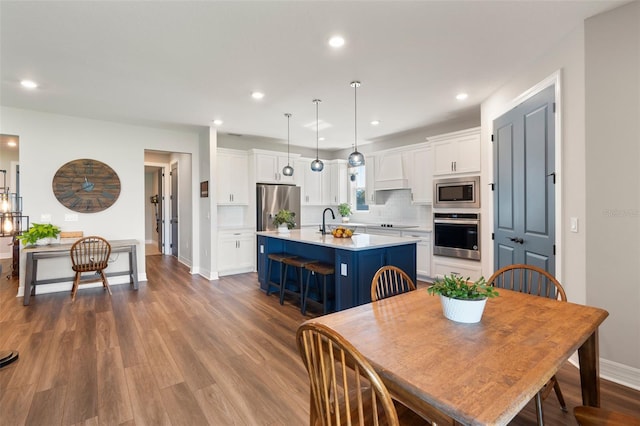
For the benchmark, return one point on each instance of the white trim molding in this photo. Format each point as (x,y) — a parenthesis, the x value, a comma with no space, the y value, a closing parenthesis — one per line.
(615,372)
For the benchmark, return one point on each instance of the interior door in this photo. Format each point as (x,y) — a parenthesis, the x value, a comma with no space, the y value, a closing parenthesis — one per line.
(524,183)
(160,207)
(174,209)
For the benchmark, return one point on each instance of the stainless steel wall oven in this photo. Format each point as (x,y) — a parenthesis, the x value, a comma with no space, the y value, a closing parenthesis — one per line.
(457,235)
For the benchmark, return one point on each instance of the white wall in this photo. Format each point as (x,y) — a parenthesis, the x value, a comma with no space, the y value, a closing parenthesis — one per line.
(620,360)
(47,141)
(612,50)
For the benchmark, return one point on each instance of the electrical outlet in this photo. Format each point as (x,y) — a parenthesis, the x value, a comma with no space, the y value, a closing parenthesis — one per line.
(343,269)
(70,217)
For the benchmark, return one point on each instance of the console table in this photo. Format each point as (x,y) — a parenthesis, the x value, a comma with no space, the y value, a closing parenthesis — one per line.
(62,250)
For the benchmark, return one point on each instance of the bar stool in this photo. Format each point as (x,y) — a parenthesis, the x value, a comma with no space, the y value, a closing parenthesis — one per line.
(278,258)
(315,269)
(299,263)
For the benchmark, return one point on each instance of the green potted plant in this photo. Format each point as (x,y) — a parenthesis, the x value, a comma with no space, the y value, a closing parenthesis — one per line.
(462,300)
(284,220)
(39,234)
(344,210)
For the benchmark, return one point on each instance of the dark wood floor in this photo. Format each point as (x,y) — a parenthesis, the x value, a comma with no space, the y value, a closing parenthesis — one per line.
(180,351)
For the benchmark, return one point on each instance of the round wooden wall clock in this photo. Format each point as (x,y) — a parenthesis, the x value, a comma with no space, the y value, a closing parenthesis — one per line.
(86,186)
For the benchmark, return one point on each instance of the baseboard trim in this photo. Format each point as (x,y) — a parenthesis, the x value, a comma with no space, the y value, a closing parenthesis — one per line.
(615,372)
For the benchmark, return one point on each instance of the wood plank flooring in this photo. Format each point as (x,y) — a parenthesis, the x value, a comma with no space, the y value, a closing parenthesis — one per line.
(180,351)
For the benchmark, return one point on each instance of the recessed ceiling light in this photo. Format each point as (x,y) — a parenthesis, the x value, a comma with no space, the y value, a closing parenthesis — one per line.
(461,96)
(217,122)
(29,84)
(336,41)
(257,95)
(375,122)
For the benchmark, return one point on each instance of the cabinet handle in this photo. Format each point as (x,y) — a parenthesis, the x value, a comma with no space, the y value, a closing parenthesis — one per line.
(455,166)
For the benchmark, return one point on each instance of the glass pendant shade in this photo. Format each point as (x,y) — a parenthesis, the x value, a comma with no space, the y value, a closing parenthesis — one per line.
(356,158)
(287,170)
(317,165)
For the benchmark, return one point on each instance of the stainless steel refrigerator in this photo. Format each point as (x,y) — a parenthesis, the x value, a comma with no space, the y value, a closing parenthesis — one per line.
(271,199)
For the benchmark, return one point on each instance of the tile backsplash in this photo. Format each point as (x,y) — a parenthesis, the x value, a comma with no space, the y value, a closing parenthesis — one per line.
(393,206)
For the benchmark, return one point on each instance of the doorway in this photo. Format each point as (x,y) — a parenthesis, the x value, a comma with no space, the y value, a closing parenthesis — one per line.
(154,209)
(525,178)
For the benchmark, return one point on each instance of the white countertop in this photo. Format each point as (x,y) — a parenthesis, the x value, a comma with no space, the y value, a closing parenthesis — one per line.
(356,242)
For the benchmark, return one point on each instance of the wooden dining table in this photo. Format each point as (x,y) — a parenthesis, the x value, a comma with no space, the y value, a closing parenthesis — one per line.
(472,374)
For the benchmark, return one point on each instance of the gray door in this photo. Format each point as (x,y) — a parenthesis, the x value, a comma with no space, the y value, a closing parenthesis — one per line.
(524,184)
(174,209)
(160,207)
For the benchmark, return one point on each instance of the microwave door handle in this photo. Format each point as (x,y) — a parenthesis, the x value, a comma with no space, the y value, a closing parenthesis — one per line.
(457,221)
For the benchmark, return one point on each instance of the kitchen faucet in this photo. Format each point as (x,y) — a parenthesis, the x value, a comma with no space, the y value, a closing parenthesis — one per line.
(333,216)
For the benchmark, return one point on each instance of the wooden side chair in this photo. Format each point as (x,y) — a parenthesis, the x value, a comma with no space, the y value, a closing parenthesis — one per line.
(536,281)
(593,416)
(345,389)
(389,281)
(90,254)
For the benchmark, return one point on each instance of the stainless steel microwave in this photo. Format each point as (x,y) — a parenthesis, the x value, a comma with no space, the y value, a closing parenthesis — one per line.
(460,192)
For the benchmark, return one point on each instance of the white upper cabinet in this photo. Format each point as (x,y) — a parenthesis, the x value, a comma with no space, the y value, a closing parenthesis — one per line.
(233,177)
(457,152)
(370,177)
(310,182)
(338,189)
(419,172)
(269,168)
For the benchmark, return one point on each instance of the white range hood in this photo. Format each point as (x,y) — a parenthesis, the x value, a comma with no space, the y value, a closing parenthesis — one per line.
(390,173)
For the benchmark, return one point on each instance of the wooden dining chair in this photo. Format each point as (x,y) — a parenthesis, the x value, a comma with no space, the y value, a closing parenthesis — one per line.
(536,281)
(594,416)
(389,281)
(90,254)
(345,389)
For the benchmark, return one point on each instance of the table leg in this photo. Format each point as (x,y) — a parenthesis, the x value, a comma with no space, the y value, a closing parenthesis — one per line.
(133,266)
(588,355)
(28,278)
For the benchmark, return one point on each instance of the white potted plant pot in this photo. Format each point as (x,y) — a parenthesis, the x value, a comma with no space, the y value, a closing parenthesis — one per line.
(345,219)
(460,310)
(283,229)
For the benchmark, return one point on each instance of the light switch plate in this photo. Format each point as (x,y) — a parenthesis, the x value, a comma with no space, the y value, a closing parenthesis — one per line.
(261,248)
(573,224)
(70,217)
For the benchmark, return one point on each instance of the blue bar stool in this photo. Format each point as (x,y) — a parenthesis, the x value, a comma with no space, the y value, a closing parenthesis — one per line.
(278,258)
(326,270)
(299,263)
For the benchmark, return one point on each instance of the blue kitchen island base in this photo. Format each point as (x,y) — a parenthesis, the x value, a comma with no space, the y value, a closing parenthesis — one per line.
(355,261)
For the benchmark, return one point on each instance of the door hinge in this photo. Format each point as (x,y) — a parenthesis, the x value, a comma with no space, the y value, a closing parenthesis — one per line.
(493,236)
(554,107)
(493,186)
(554,176)
(554,249)
(491,137)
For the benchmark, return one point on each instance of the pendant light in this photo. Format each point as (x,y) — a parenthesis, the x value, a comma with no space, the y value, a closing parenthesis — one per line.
(317,165)
(287,170)
(355,158)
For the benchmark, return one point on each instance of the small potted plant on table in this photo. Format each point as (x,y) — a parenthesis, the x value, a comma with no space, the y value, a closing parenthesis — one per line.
(284,220)
(345,211)
(462,300)
(39,234)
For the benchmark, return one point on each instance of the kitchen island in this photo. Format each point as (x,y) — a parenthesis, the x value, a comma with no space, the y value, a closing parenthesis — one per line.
(356,259)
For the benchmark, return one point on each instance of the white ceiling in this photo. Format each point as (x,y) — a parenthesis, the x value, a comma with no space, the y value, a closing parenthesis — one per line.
(186,63)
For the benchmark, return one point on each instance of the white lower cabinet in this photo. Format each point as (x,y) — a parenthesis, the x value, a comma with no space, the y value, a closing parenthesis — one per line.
(236,252)
(423,253)
(450,266)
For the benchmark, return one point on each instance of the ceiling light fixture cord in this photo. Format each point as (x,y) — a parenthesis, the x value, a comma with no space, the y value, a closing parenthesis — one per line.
(317,165)
(288,170)
(355,158)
